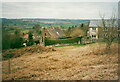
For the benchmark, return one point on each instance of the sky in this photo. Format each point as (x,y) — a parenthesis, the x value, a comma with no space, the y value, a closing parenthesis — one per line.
(59,10)
(60,0)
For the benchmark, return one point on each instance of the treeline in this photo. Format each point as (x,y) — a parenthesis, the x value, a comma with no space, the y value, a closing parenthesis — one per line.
(11,40)
(15,40)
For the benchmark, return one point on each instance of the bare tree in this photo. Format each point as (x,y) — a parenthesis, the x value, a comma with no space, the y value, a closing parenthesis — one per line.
(111,26)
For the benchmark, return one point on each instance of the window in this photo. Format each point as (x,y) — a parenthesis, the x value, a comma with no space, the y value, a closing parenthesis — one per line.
(94,29)
(118,28)
(118,35)
(105,29)
(105,34)
(93,36)
(38,36)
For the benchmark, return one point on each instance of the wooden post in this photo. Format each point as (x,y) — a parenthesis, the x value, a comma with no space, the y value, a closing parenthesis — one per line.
(81,39)
(43,37)
(9,65)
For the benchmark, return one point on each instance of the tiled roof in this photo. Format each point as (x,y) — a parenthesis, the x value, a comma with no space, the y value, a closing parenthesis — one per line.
(55,32)
(25,36)
(98,23)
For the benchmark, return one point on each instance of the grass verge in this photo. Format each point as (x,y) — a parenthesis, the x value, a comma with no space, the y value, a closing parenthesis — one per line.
(76,45)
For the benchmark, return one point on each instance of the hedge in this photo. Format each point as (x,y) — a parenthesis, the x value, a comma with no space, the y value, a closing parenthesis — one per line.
(61,41)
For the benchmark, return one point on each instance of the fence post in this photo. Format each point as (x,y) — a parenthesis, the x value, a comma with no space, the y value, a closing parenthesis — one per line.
(9,65)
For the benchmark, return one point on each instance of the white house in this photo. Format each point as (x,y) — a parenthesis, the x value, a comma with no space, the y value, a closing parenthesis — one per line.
(93,30)
(97,30)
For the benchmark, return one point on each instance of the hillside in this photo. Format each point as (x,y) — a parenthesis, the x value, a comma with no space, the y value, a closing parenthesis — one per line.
(65,63)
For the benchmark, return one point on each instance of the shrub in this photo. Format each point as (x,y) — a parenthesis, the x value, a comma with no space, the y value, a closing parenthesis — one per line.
(64,37)
(11,40)
(8,54)
(60,41)
(37,42)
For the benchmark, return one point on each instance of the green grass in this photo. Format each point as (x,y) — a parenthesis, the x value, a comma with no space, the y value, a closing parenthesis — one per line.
(76,45)
(11,31)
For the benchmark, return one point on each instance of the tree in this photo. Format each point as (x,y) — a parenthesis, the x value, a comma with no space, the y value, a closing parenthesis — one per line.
(17,33)
(72,26)
(37,28)
(111,25)
(84,28)
(17,40)
(77,32)
(6,40)
(11,40)
(80,32)
(68,31)
(37,42)
(40,32)
(82,25)
(23,34)
(30,38)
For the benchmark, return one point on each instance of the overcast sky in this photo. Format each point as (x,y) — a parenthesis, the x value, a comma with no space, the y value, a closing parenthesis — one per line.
(59,0)
(59,10)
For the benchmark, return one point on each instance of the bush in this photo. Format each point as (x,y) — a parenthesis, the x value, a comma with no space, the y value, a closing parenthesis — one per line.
(37,42)
(65,37)
(61,41)
(6,41)
(31,41)
(11,40)
(8,54)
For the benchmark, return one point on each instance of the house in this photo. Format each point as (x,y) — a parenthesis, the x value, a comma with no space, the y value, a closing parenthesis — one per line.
(25,36)
(97,30)
(93,29)
(36,36)
(54,32)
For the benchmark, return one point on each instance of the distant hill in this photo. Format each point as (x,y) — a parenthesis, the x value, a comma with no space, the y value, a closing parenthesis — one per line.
(47,19)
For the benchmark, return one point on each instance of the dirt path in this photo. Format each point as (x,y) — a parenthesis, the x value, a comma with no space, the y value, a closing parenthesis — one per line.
(66,63)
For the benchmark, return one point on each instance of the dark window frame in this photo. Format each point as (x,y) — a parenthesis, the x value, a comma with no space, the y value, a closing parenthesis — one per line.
(94,29)
(94,36)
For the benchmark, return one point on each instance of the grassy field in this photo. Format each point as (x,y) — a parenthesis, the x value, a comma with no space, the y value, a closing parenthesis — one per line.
(88,62)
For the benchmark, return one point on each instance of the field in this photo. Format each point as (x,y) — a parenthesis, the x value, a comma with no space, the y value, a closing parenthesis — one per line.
(26,24)
(88,62)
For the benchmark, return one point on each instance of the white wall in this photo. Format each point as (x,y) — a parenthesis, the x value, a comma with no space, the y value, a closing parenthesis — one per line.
(93,32)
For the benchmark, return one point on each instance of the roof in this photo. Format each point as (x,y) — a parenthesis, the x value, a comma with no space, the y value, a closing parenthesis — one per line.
(55,32)
(25,36)
(98,23)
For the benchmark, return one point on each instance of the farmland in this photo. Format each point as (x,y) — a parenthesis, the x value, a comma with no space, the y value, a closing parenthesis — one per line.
(26,24)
